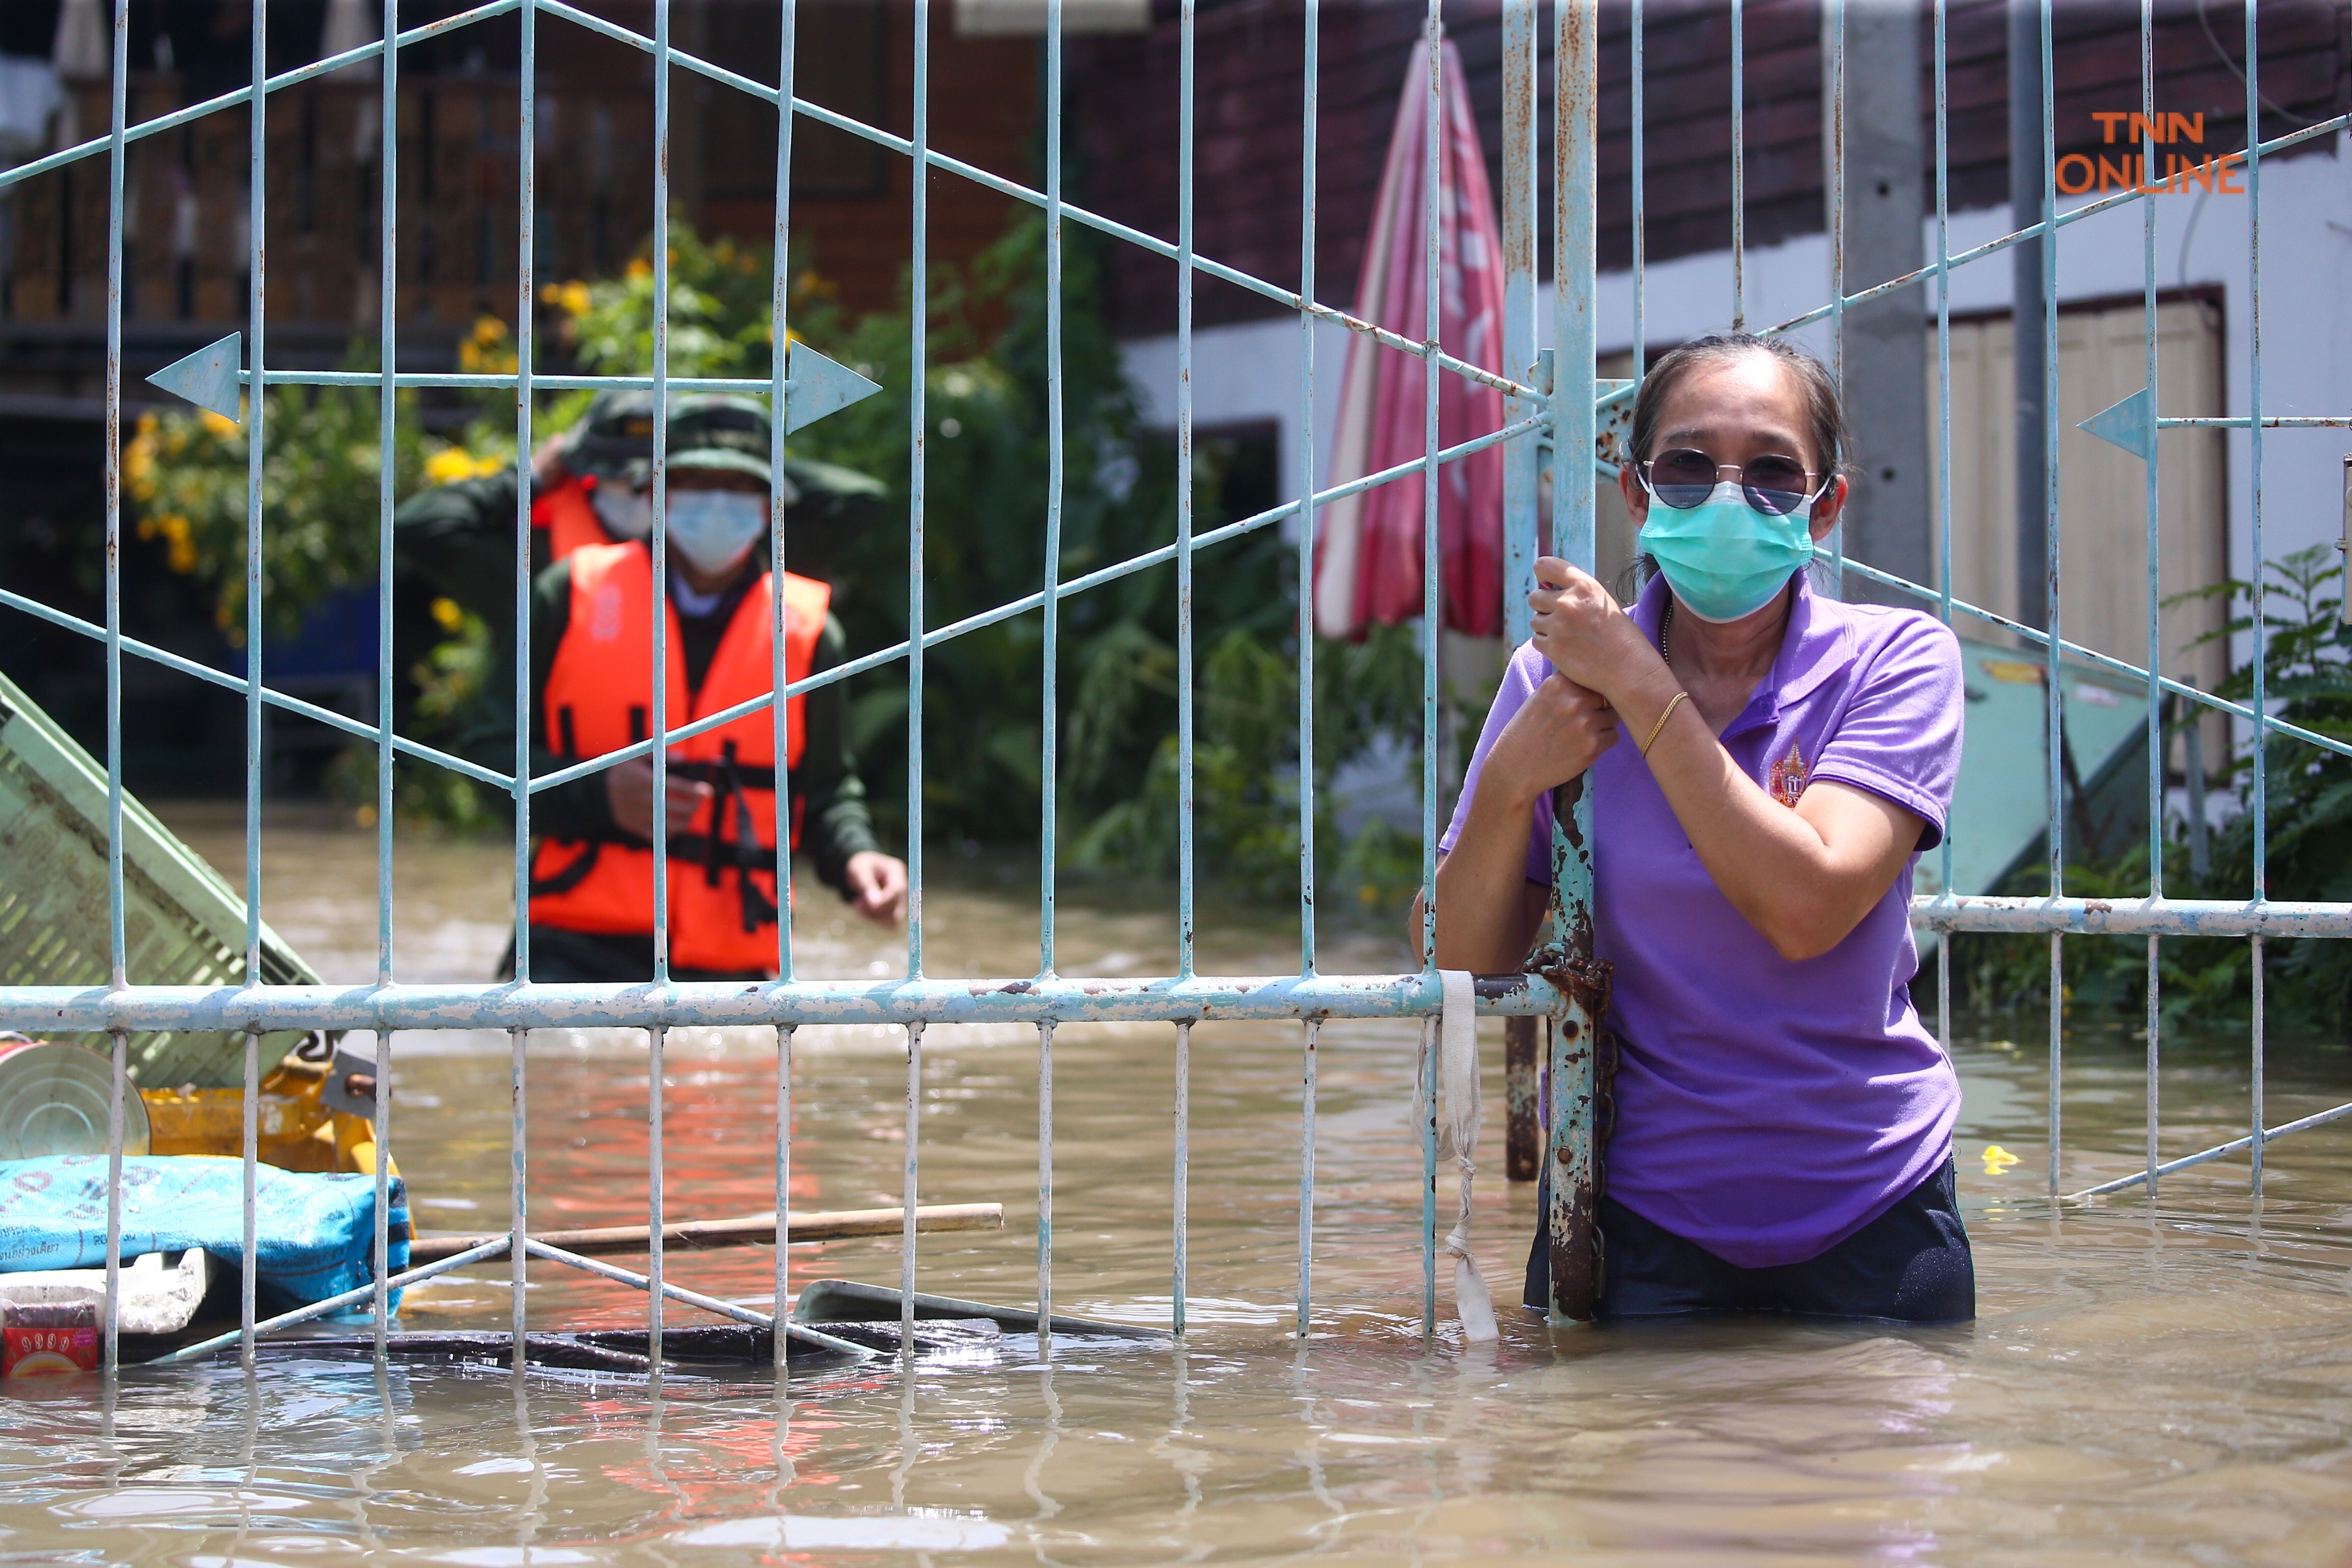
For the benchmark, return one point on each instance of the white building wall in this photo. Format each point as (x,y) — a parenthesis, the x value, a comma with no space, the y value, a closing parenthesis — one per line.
(1252,371)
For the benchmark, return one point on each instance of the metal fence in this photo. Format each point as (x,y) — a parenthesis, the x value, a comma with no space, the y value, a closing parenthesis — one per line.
(1560,411)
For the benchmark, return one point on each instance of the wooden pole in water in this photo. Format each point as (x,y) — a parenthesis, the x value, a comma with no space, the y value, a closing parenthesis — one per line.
(759,1229)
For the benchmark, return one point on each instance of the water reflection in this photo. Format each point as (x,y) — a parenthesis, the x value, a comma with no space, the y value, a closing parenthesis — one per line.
(2168,1372)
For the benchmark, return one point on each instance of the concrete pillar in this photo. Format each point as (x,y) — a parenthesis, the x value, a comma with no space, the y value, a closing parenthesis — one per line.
(1890,521)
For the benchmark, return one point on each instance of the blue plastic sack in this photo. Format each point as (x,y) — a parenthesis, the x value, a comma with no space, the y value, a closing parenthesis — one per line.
(315,1234)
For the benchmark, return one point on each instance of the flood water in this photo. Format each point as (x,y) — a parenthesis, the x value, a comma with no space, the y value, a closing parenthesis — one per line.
(2169,1383)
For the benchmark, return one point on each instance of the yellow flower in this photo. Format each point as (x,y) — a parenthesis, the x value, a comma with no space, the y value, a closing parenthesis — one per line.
(220,428)
(448,615)
(488,329)
(1997,1158)
(640,268)
(178,539)
(147,423)
(449,465)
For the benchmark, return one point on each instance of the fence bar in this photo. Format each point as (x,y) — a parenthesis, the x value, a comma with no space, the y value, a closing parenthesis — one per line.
(2155,757)
(912,1185)
(1424,1084)
(860,665)
(2257,567)
(1432,614)
(1312,49)
(248,1262)
(118,1086)
(1943,448)
(492,381)
(2040,639)
(2271,918)
(518,1187)
(334,1304)
(1570,1219)
(1027,602)
(1187,44)
(918,326)
(1306,1178)
(1739,166)
(381,1164)
(1833,28)
(1050,705)
(661,740)
(1520,526)
(782,1287)
(1049,715)
(2054,713)
(655,1184)
(780,403)
(1045,1181)
(118,968)
(469,1004)
(256,451)
(2203,1156)
(1182,1192)
(2256,1068)
(1638,161)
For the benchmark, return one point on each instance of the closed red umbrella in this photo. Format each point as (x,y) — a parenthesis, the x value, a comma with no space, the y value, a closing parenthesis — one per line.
(1369,552)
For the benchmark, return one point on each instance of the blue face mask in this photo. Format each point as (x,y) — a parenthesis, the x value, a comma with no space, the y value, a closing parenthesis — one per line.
(625,513)
(1723,558)
(714,529)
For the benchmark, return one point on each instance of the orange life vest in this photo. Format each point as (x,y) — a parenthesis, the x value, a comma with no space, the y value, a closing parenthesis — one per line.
(599,698)
(567,519)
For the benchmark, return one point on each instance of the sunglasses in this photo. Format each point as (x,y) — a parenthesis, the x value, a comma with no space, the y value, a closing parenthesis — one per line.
(1686,476)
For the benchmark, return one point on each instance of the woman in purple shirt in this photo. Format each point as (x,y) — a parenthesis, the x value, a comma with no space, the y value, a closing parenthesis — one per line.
(1783,1127)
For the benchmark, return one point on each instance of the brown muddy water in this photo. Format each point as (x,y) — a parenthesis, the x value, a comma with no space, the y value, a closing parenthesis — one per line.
(2165,1385)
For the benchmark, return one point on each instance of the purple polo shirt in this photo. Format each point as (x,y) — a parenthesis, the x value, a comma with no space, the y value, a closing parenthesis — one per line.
(1767,1108)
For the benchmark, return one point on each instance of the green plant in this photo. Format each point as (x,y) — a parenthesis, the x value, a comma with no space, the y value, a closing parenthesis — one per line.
(2307,677)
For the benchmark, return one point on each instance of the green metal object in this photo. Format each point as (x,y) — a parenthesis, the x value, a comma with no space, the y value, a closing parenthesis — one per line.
(181,925)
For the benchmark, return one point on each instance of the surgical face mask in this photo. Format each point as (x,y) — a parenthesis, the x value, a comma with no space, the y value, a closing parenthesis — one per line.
(625,513)
(714,529)
(1723,558)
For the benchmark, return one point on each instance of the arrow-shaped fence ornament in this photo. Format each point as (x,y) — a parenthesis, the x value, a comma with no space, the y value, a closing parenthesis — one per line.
(213,378)
(819,386)
(2130,425)
(209,377)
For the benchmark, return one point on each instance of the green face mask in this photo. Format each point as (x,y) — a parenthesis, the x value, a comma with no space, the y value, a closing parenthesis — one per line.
(1723,558)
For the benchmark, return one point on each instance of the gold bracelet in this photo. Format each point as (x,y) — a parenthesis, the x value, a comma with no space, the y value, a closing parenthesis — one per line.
(1657,729)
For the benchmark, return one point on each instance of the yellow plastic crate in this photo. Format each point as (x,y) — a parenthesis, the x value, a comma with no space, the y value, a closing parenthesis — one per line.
(182,924)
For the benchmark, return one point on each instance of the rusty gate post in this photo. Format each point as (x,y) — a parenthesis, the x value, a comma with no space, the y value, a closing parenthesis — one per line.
(1521,530)
(1573,1216)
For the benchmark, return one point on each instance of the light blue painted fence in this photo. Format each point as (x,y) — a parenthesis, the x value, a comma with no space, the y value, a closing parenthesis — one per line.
(1562,414)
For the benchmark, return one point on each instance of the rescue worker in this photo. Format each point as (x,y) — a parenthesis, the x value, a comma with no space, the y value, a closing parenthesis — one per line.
(590,652)
(588,486)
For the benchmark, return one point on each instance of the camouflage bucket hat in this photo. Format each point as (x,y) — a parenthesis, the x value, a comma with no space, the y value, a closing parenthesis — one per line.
(614,436)
(722,431)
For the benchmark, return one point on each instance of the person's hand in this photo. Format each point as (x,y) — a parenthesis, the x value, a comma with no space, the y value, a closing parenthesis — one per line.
(629,790)
(547,470)
(876,885)
(1556,735)
(1579,627)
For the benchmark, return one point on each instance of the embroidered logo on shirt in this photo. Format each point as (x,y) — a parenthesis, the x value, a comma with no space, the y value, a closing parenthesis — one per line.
(1787,779)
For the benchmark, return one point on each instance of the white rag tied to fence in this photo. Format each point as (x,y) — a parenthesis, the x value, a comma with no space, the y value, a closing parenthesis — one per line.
(1451,1041)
